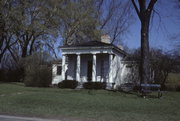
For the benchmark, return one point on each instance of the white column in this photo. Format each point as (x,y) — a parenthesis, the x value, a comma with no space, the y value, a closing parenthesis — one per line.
(94,68)
(110,68)
(63,67)
(54,70)
(78,67)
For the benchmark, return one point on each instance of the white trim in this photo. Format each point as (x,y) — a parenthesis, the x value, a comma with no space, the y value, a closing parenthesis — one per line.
(86,51)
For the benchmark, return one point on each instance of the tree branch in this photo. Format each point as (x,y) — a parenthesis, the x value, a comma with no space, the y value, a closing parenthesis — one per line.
(136,8)
(151,5)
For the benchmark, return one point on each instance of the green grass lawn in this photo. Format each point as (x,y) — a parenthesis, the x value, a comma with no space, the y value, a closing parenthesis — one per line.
(173,78)
(15,99)
(173,81)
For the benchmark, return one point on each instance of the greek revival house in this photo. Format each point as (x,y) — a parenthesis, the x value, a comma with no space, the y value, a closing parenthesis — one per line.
(96,61)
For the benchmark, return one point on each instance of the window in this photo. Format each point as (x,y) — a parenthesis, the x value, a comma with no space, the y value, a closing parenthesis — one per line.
(59,68)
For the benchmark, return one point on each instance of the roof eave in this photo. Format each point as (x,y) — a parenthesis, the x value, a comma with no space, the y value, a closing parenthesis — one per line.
(96,47)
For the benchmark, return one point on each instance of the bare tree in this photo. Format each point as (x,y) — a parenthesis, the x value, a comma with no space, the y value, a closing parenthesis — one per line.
(7,39)
(144,13)
(162,63)
(115,18)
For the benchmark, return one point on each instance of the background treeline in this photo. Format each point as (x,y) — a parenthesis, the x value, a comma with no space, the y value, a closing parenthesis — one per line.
(164,67)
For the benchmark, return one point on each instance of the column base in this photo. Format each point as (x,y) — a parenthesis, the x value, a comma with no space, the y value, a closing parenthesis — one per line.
(80,85)
(110,86)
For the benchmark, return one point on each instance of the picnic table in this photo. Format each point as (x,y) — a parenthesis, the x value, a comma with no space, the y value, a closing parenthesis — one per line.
(149,88)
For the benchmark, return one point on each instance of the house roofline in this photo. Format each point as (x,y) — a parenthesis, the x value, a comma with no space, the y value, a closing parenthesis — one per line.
(95,47)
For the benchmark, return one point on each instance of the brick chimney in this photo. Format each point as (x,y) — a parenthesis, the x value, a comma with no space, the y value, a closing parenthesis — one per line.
(106,39)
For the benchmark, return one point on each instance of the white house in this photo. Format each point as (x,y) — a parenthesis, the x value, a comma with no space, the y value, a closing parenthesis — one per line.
(96,61)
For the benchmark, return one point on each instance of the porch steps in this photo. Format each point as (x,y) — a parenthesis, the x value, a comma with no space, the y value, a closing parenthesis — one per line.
(80,86)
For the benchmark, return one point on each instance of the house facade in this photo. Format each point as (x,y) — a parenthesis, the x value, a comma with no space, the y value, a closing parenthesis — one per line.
(96,61)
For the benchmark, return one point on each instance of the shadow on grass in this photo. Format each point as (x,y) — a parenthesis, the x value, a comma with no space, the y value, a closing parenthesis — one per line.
(13,83)
(139,94)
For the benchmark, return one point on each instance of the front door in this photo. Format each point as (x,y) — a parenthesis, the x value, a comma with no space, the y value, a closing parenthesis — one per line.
(89,71)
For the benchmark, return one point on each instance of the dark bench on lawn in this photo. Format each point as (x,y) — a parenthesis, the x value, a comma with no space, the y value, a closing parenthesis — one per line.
(149,88)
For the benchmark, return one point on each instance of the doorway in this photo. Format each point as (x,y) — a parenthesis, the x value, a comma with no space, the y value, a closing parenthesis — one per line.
(89,71)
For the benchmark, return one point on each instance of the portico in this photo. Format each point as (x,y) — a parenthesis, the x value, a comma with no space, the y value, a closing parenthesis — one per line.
(87,68)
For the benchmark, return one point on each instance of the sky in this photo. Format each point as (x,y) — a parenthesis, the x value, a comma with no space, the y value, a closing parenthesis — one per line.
(163,28)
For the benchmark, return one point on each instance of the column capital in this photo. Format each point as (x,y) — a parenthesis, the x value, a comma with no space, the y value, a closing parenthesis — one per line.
(93,53)
(78,53)
(111,55)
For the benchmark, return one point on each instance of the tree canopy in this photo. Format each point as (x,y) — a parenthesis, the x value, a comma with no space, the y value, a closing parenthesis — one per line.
(29,26)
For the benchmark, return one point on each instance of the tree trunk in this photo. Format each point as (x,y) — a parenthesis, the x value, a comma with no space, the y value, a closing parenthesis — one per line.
(145,67)
(24,52)
(144,14)
(2,27)
(25,46)
(31,46)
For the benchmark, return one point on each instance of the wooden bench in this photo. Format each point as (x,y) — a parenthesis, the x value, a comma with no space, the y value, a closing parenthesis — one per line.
(149,88)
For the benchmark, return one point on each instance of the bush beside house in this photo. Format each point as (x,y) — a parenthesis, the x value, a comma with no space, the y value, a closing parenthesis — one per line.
(72,84)
(94,85)
(38,76)
(37,71)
